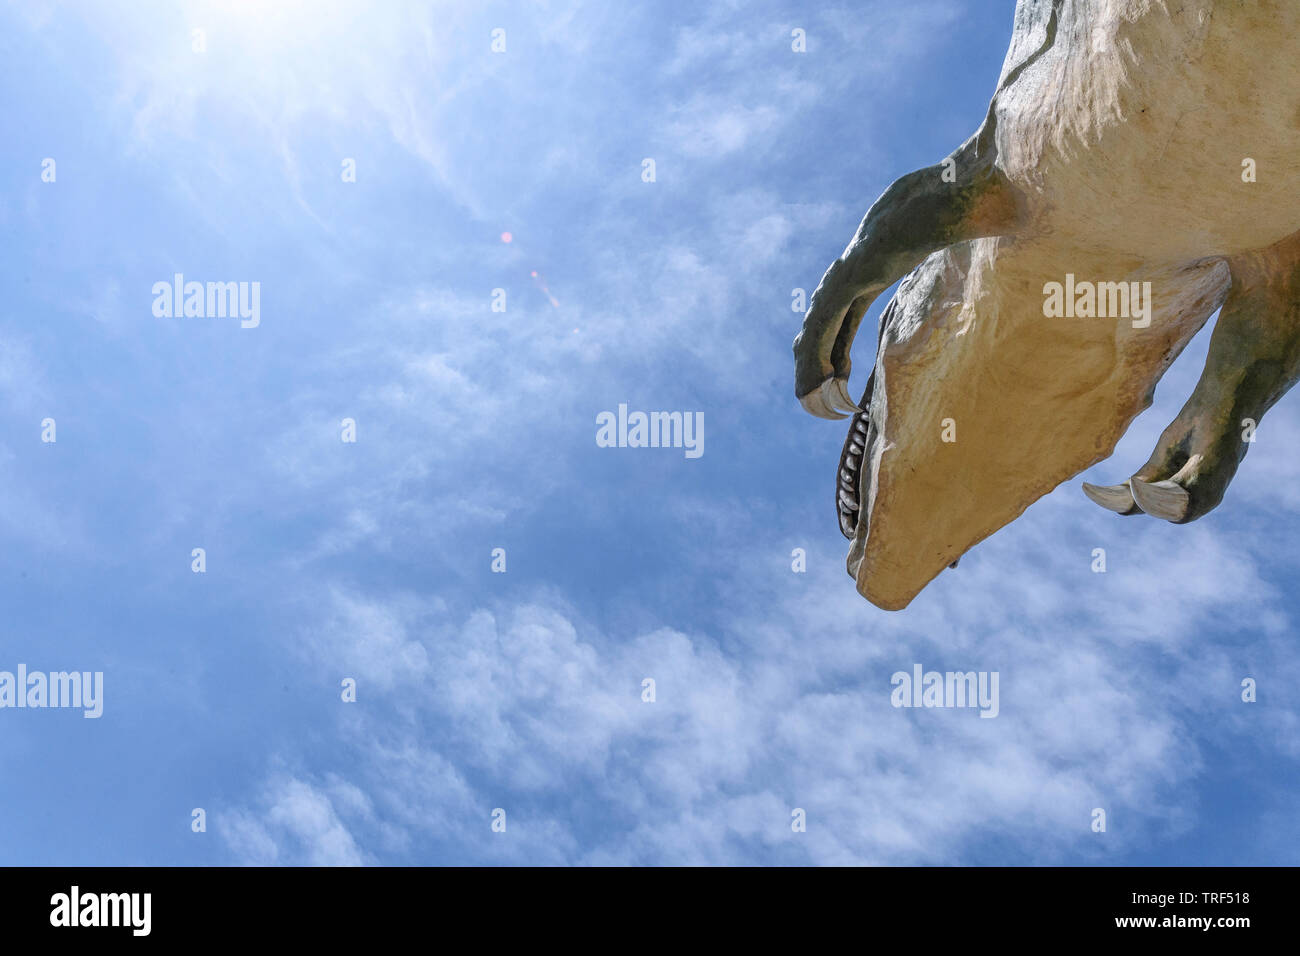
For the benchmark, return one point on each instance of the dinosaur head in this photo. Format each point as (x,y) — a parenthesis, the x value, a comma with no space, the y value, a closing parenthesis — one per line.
(979,404)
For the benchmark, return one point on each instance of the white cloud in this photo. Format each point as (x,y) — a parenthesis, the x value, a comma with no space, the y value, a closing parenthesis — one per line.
(297,824)
(789,707)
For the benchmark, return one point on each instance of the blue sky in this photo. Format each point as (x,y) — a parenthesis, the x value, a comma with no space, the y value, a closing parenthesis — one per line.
(476,430)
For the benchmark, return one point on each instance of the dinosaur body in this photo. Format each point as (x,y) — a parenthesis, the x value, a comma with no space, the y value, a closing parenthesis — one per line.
(1118,148)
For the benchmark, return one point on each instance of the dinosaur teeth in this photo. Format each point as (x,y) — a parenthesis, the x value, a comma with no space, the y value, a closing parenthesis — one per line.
(848,494)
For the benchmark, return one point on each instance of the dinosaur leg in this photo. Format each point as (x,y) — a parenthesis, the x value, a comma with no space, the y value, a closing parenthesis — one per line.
(1254,359)
(965,197)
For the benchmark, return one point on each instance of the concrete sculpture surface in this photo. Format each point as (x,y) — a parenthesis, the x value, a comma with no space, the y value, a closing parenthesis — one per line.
(1137,170)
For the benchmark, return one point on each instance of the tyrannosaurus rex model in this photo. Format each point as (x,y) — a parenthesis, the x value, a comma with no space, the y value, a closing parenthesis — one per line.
(1139,168)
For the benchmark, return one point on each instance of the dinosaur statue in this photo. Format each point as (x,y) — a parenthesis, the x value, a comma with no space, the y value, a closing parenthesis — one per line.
(1137,170)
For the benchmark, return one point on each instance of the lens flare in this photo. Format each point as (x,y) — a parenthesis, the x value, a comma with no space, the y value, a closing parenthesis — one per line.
(541,284)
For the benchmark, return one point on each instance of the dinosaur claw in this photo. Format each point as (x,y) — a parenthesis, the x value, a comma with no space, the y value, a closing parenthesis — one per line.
(1161,499)
(815,403)
(842,398)
(828,400)
(830,392)
(1116,498)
